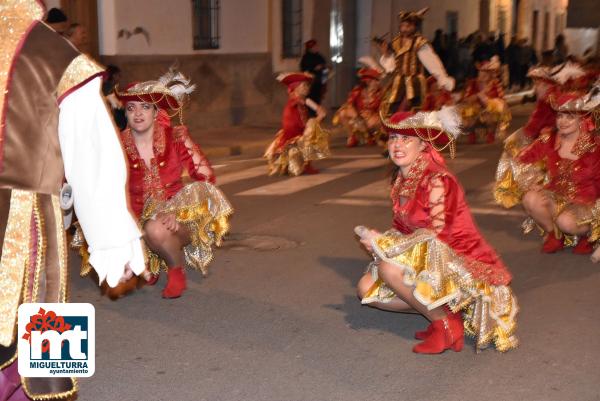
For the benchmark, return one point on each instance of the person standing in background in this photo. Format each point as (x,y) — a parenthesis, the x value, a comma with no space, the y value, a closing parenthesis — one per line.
(314,63)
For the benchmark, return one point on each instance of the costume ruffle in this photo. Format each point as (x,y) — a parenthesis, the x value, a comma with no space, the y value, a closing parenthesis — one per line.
(201,207)
(441,277)
(514,178)
(291,157)
(205,211)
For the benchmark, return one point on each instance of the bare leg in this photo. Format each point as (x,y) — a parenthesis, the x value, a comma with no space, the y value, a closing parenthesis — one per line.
(394,278)
(540,208)
(395,305)
(567,223)
(167,244)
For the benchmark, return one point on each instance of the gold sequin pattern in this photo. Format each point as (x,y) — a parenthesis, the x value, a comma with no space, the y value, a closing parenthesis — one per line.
(81,68)
(514,178)
(313,144)
(440,277)
(16,16)
(15,256)
(205,211)
(61,242)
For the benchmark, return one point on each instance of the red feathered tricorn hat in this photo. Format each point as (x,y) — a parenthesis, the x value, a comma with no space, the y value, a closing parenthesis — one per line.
(366,74)
(440,128)
(293,79)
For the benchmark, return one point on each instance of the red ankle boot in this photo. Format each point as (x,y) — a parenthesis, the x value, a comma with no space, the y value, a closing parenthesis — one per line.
(490,137)
(583,247)
(457,317)
(447,333)
(176,283)
(552,244)
(472,138)
(309,169)
(423,334)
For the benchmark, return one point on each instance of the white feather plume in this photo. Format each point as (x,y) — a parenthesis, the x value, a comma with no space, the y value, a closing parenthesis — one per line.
(370,62)
(177,83)
(564,72)
(450,120)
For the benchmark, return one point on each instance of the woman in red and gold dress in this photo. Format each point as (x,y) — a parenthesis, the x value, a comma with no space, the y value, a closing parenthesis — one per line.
(512,176)
(300,140)
(483,105)
(434,260)
(562,202)
(181,222)
(360,114)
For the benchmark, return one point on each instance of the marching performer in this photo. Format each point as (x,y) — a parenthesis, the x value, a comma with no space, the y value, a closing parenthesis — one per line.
(54,125)
(434,260)
(407,57)
(436,97)
(301,139)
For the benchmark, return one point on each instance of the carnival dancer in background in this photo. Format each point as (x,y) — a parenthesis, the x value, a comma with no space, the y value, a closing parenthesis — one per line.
(406,58)
(171,191)
(360,114)
(55,125)
(436,97)
(512,176)
(509,171)
(561,199)
(434,260)
(301,139)
(181,221)
(483,105)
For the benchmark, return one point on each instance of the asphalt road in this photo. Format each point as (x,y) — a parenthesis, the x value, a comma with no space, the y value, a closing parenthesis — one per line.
(277,318)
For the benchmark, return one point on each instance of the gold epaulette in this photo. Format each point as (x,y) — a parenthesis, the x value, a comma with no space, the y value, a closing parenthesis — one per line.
(80,70)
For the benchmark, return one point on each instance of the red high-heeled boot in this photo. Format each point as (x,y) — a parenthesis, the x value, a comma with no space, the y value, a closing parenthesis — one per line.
(446,334)
(151,279)
(423,334)
(176,283)
(490,137)
(583,247)
(552,244)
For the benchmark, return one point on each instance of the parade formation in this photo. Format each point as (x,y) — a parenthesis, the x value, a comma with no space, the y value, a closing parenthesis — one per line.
(147,200)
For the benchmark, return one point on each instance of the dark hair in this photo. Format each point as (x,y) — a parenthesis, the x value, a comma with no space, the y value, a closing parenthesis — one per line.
(55,15)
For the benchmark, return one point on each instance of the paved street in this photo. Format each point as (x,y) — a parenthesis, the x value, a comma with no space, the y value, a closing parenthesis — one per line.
(277,318)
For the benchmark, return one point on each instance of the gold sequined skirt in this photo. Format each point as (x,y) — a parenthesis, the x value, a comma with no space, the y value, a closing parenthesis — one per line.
(439,277)
(201,207)
(205,211)
(514,178)
(495,115)
(291,159)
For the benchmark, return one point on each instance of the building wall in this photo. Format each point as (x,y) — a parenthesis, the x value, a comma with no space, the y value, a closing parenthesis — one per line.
(554,8)
(244,27)
(384,15)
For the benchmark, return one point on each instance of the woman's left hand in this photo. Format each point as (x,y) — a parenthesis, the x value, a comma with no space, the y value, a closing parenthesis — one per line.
(366,240)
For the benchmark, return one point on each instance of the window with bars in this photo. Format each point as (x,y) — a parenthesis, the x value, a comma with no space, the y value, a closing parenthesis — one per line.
(206,24)
(292,28)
